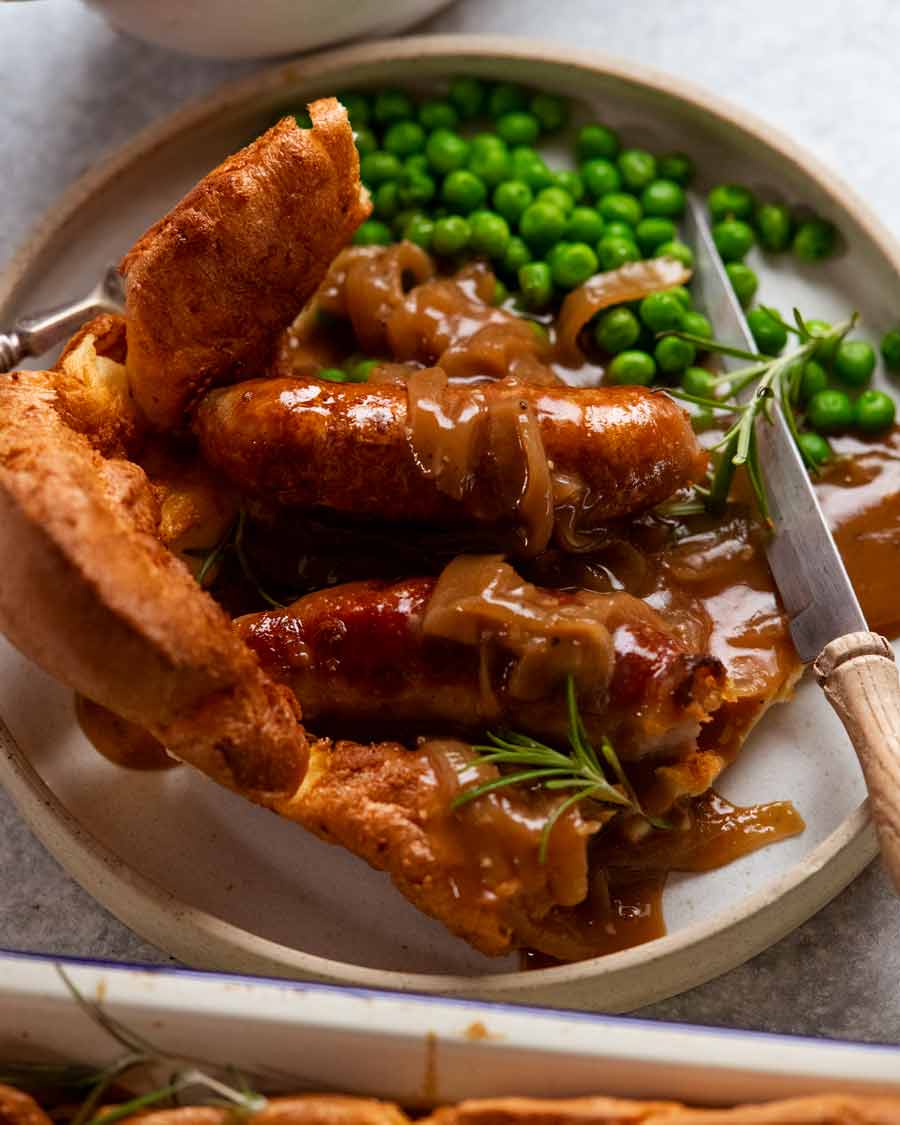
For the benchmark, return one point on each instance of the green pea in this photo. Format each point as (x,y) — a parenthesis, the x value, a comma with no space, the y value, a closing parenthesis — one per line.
(632,368)
(551,111)
(511,198)
(418,162)
(638,168)
(358,108)
(570,182)
(696,324)
(518,128)
(770,334)
(373,233)
(875,412)
(830,411)
(467,95)
(416,188)
(825,349)
(615,252)
(730,201)
(500,292)
(516,255)
(617,229)
(653,232)
(703,418)
(484,142)
(774,226)
(435,113)
(664,198)
(661,312)
(559,197)
(385,202)
(733,238)
(854,362)
(683,296)
(393,105)
(530,166)
(813,380)
(536,284)
(451,235)
(365,140)
(541,225)
(489,233)
(677,250)
(616,330)
(584,225)
(815,239)
(815,449)
(402,219)
(744,282)
(890,349)
(601,177)
(377,167)
(463,191)
(573,265)
(404,138)
(446,151)
(678,167)
(490,163)
(699,382)
(506,97)
(619,207)
(674,355)
(360,372)
(420,230)
(597,140)
(333,375)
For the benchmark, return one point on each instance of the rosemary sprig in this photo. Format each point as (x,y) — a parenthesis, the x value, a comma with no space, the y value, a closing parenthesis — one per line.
(581,770)
(140,1051)
(233,540)
(775,379)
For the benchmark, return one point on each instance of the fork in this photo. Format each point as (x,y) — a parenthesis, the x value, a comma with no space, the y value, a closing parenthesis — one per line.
(34,335)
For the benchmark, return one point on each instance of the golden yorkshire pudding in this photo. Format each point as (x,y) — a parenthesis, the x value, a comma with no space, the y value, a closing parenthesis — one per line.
(92,596)
(209,286)
(17,1108)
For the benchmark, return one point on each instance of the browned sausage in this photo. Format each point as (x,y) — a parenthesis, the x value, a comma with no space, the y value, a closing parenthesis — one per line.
(361,653)
(306,442)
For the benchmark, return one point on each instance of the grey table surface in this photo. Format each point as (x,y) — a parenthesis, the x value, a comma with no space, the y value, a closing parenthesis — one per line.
(822,70)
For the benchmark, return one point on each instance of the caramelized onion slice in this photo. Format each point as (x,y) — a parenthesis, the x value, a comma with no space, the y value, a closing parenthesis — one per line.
(479,600)
(484,448)
(630,282)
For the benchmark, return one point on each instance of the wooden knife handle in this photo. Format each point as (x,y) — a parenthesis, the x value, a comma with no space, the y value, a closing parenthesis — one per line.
(859,677)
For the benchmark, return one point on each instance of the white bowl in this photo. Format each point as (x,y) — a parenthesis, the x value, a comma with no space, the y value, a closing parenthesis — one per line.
(225,29)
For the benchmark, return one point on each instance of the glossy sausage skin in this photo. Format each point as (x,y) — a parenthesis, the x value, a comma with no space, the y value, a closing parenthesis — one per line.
(357,654)
(309,443)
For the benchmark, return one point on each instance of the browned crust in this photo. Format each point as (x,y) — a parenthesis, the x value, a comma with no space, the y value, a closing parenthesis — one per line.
(210,285)
(90,594)
(304,1109)
(822,1109)
(18,1108)
(336,1109)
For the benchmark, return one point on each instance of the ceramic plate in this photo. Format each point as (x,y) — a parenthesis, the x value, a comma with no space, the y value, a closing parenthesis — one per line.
(219,883)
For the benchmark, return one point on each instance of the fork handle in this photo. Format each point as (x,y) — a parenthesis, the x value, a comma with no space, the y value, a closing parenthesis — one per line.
(859,677)
(12,350)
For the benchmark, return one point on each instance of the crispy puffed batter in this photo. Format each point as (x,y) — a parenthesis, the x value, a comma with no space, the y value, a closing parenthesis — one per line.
(91,595)
(209,287)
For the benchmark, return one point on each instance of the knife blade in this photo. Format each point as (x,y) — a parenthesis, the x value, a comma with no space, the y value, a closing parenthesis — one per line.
(815,589)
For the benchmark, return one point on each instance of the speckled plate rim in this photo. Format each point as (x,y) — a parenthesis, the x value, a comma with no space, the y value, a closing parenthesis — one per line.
(665,967)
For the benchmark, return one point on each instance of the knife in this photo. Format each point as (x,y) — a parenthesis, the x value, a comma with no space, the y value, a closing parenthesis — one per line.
(854,666)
